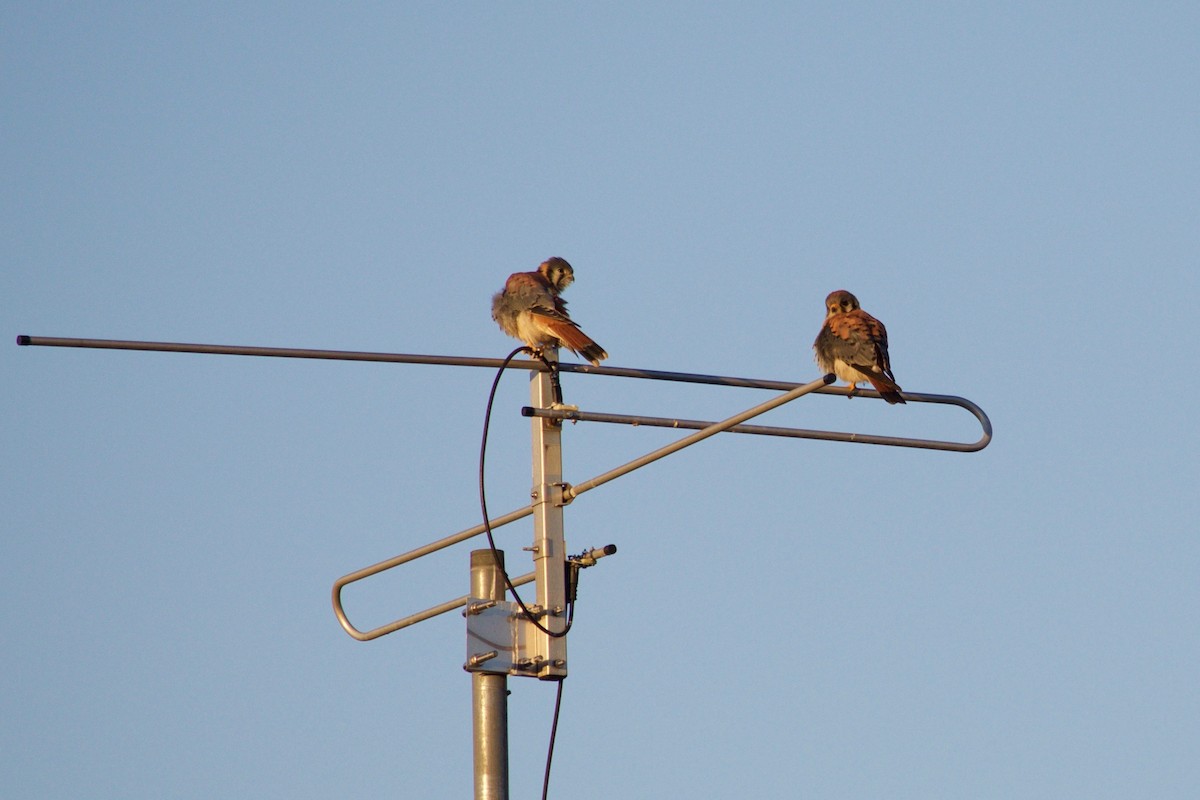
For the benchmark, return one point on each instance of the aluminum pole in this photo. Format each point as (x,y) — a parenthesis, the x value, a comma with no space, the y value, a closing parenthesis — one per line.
(489,693)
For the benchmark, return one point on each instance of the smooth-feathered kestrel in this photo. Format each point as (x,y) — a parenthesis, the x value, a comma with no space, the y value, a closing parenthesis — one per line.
(853,346)
(529,308)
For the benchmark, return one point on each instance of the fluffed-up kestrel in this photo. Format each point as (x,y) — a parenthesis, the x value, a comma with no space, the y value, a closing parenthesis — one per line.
(853,346)
(530,308)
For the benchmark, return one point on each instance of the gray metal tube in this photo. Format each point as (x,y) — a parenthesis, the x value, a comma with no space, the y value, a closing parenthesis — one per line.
(489,693)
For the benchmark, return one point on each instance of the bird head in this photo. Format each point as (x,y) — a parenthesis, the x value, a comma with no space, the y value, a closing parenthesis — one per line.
(557,272)
(840,302)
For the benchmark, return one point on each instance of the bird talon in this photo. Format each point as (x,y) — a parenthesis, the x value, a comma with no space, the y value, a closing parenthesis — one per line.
(563,407)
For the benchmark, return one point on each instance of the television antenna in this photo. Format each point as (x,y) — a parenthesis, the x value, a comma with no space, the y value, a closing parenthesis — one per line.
(502,639)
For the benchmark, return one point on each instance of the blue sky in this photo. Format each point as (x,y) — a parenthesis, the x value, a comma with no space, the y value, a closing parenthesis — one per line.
(1011,188)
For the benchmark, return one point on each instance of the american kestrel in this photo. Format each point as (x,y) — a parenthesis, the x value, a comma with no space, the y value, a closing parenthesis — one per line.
(853,346)
(529,308)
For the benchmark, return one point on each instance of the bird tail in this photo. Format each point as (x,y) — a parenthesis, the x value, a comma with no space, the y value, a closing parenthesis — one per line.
(886,387)
(575,339)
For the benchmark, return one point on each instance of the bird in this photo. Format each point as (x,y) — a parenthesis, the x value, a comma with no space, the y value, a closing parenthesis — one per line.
(853,346)
(530,308)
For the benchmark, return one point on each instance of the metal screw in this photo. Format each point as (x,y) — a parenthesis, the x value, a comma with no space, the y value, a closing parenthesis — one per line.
(479,608)
(479,658)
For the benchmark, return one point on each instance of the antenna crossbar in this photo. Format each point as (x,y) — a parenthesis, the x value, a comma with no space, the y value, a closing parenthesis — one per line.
(452,361)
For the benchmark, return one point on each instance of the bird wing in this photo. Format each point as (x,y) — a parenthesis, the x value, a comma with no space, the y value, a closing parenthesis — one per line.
(523,291)
(857,339)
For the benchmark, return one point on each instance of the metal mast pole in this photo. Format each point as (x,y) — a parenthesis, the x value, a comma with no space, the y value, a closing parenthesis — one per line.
(549,543)
(489,692)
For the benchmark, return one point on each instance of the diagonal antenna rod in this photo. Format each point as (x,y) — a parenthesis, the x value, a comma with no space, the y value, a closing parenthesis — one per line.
(569,493)
(711,429)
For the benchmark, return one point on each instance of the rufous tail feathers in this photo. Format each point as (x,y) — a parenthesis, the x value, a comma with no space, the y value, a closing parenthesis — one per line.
(573,338)
(886,387)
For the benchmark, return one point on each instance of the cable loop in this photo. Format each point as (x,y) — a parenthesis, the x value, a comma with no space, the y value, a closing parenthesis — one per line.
(487,525)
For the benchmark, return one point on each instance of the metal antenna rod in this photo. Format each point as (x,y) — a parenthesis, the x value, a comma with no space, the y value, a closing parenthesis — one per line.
(793,433)
(404,558)
(410,358)
(269,352)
